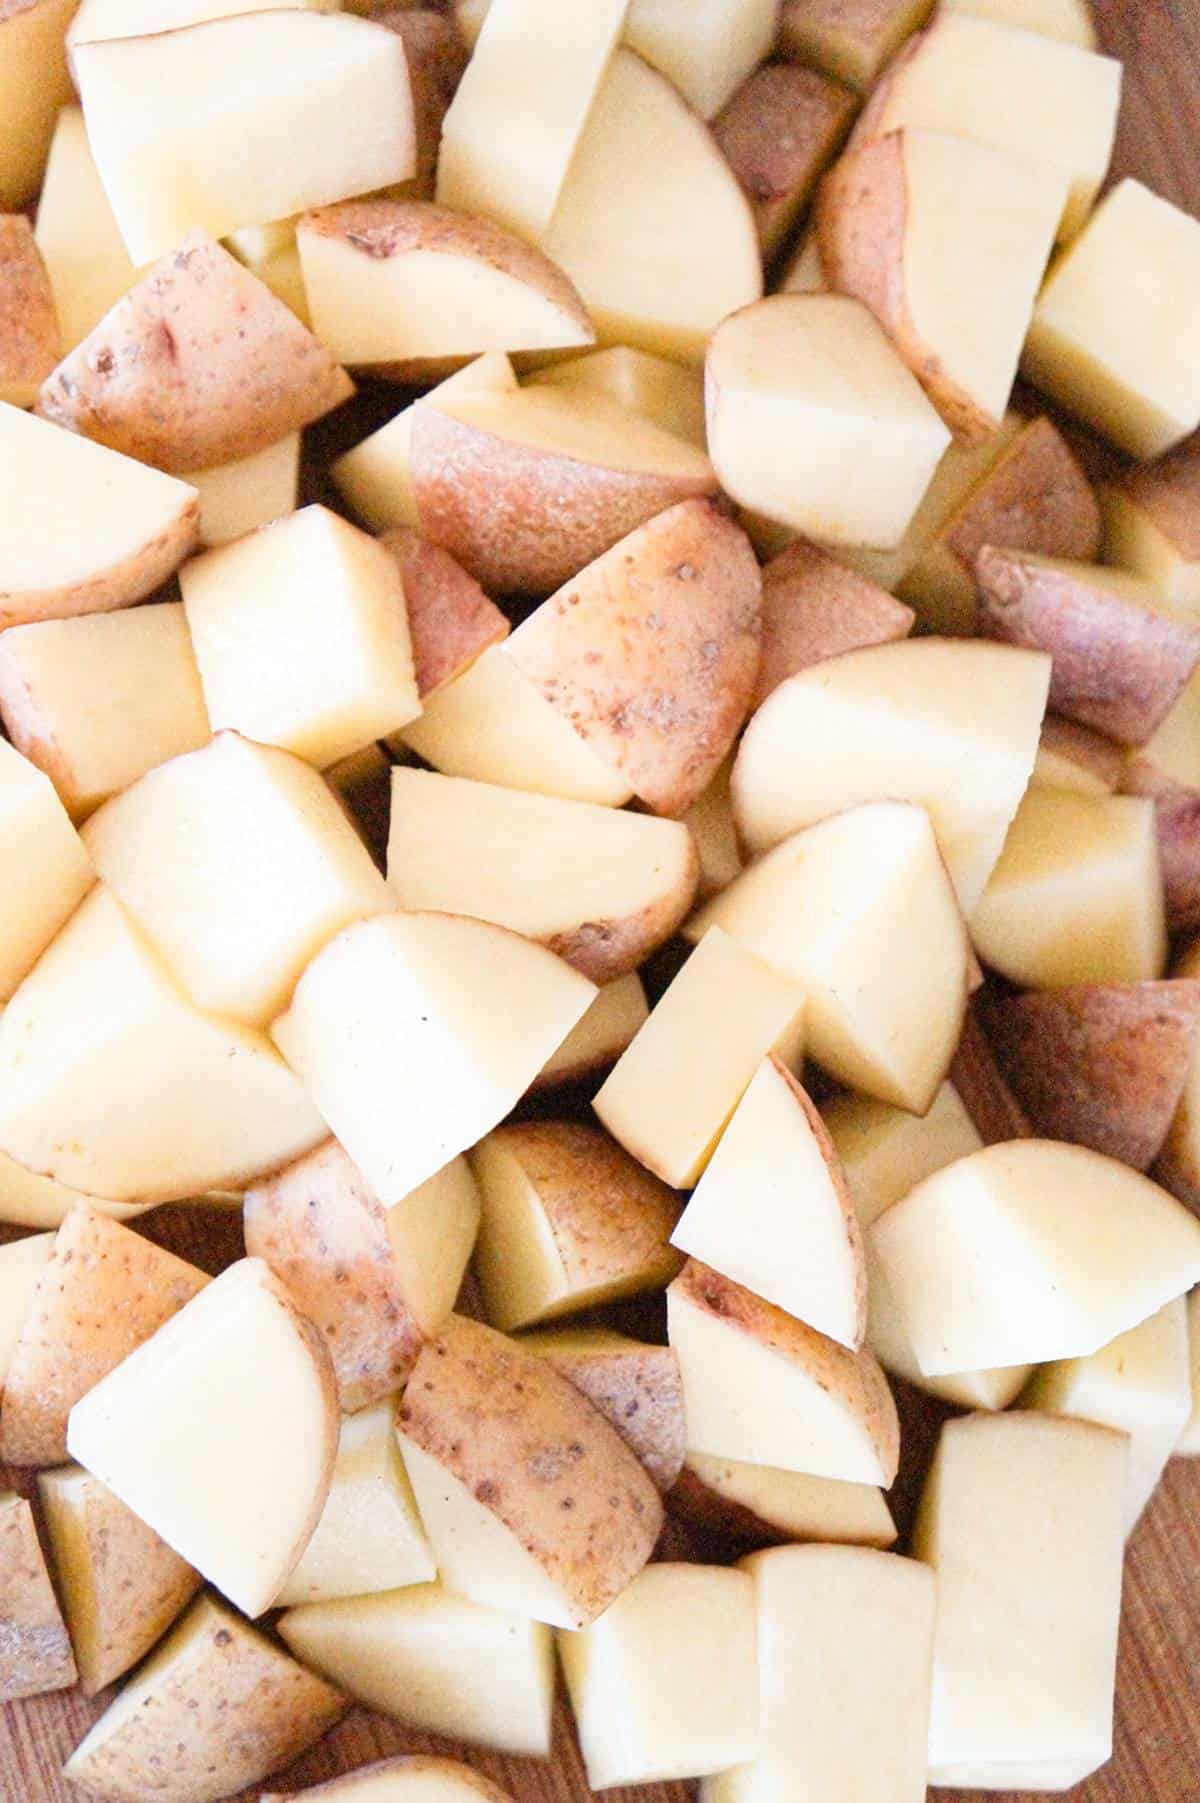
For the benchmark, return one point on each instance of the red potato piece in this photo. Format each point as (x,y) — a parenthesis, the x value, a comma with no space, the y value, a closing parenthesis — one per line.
(815,607)
(450,619)
(198,365)
(437,57)
(1177,821)
(778,133)
(1035,498)
(1100,1066)
(35,1653)
(29,337)
(1120,662)
(1071,756)
(652,651)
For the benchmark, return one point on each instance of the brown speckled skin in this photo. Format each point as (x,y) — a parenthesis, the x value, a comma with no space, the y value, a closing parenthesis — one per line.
(652,652)
(815,607)
(437,57)
(450,619)
(35,1653)
(1168,493)
(1117,667)
(346,1789)
(778,133)
(104,1290)
(535,1453)
(226,1708)
(1088,750)
(1036,498)
(637,1389)
(198,365)
(29,342)
(324,1234)
(606,949)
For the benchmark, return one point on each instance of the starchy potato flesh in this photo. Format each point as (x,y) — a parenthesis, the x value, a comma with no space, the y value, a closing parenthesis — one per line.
(1068,20)
(251,491)
(100,19)
(84,253)
(411,1778)
(710,822)
(704,50)
(1021,1520)
(1091,1247)
(21,1264)
(270,253)
(436,1662)
(665,1684)
(28,1200)
(610,1023)
(666,392)
(35,1652)
(34,84)
(36,838)
(1150,524)
(761,1504)
(851,42)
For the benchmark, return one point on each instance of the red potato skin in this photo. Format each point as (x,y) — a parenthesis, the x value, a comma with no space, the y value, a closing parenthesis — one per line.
(778,133)
(815,607)
(437,57)
(1086,749)
(1168,493)
(450,619)
(29,339)
(1037,498)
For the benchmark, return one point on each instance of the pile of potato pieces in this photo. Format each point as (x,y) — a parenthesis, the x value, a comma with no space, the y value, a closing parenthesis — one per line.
(546,958)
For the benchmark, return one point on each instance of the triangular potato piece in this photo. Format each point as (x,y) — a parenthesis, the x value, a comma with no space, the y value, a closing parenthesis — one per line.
(772,1210)
(410,1778)
(35,1653)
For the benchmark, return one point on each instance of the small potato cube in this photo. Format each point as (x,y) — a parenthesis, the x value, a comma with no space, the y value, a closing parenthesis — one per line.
(84,253)
(301,636)
(35,1653)
(29,336)
(780,131)
(666,392)
(1115,338)
(722,43)
(1152,524)
(237,497)
(37,839)
(665,1684)
(853,40)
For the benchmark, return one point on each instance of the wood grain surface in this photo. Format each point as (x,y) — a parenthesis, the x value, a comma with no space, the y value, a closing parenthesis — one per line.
(1157,1754)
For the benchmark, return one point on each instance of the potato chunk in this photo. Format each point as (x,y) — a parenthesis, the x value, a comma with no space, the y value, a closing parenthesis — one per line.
(34,83)
(29,337)
(779,131)
(1150,524)
(238,497)
(636,1388)
(35,1653)
(412,1778)
(815,607)
(37,839)
(760,1505)
(850,39)
(84,253)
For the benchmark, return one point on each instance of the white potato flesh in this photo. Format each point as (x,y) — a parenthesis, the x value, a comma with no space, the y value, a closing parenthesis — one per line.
(28,1200)
(34,83)
(598,1038)
(84,252)
(21,1264)
(666,392)
(1068,20)
(795,1505)
(36,838)
(237,497)
(1188,1444)
(99,19)
(431,1233)
(706,50)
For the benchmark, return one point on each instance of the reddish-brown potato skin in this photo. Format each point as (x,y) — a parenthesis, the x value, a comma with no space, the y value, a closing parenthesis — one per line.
(639,1392)
(29,338)
(1168,493)
(815,607)
(450,619)
(778,133)
(1086,749)
(1036,498)
(437,57)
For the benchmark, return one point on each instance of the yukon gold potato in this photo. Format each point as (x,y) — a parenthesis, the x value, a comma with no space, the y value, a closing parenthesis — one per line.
(610,1023)
(238,864)
(644,172)
(845,1649)
(97,701)
(569,1221)
(651,652)
(1068,20)
(301,636)
(436,1663)
(1089,1246)
(121,1585)
(525,486)
(772,1212)
(1021,1520)
(37,839)
(198,364)
(417,1033)
(779,132)
(29,334)
(1074,757)
(375,1281)
(35,1652)
(369,1537)
(234,121)
(21,1265)
(829,909)
(84,253)
(1150,528)
(666,392)
(488,1433)
(1114,340)
(34,83)
(1100,1065)
(82,530)
(220,1433)
(814,420)
(450,619)
(888,212)
(1121,656)
(849,39)
(1077,895)
(673,1091)
(760,1387)
(635,1387)
(412,1778)
(217,1705)
(975,78)
(237,497)
(815,607)
(1140,1384)
(391,281)
(710,822)
(102,1292)
(665,1684)
(599,886)
(750,1506)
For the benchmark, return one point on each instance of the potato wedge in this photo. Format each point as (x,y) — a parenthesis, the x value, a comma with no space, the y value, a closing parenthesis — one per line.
(1150,523)
(666,392)
(35,1653)
(610,1023)
(849,39)
(635,1387)
(36,838)
(29,335)
(779,132)
(34,83)
(751,1506)
(450,619)
(413,1778)
(815,607)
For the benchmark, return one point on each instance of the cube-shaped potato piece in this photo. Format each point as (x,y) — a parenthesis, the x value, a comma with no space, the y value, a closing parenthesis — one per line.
(665,1684)
(29,336)
(84,253)
(1150,524)
(98,20)
(779,132)
(1114,339)
(35,1652)
(610,1024)
(1021,1521)
(724,41)
(37,839)
(666,392)
(750,1506)
(302,637)
(850,41)
(97,701)
(238,497)
(636,1388)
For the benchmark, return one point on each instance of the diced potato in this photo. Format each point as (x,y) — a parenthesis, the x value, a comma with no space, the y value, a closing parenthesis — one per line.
(27,1200)
(121,1585)
(237,497)
(665,1684)
(270,252)
(239,120)
(35,1653)
(1150,524)
(673,1091)
(779,131)
(1074,757)
(37,839)
(217,1705)
(21,1265)
(97,20)
(1114,339)
(34,84)
(610,1023)
(845,1650)
(97,701)
(1069,20)
(762,1388)
(84,253)
(666,392)
(1021,1522)
(437,1663)
(1179,1161)
(850,39)
(636,1388)
(411,1778)
(759,1505)
(704,50)
(815,607)
(570,1221)
(1188,1444)
(710,822)
(1076,896)
(417,1033)
(29,336)
(451,621)
(1089,1246)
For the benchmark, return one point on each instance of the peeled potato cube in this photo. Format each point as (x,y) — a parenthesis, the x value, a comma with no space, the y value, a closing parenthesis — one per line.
(611,1022)
(1150,524)
(815,607)
(779,131)
(1076,896)
(84,253)
(29,337)
(814,420)
(238,497)
(665,1684)
(34,83)
(415,1777)
(217,1704)
(850,41)
(97,701)
(759,1505)
(636,1388)
(1114,339)
(1021,1522)
(1091,1247)
(35,1653)
(435,1662)
(122,1586)
(37,839)
(417,1033)
(666,392)
(1068,20)
(175,119)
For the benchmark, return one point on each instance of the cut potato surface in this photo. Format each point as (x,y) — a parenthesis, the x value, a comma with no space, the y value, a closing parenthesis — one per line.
(666,392)
(412,1779)
(759,1505)
(251,491)
(1069,20)
(36,838)
(1150,524)
(35,1653)
(34,83)
(710,822)
(27,1200)
(1188,1444)
(636,1388)
(84,253)
(609,1025)
(238,1381)
(850,39)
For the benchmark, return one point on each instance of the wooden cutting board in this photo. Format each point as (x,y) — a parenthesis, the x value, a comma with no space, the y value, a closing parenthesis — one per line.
(1157,1757)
